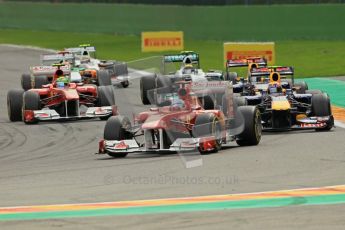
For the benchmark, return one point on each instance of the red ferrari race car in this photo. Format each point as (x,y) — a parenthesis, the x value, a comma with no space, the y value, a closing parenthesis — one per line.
(43,74)
(61,100)
(180,123)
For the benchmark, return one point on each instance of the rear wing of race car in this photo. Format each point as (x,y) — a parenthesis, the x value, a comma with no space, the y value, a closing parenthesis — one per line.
(180,57)
(48,59)
(48,70)
(266,71)
(81,49)
(260,61)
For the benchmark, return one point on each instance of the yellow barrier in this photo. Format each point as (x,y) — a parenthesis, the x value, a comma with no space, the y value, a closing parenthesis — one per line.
(161,41)
(234,50)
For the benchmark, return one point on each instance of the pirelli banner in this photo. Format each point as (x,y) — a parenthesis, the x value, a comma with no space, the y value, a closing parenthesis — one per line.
(234,50)
(161,41)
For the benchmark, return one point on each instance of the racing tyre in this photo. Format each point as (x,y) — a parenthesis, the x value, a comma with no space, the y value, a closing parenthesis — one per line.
(251,134)
(26,81)
(207,125)
(116,129)
(231,77)
(15,104)
(147,84)
(207,102)
(31,102)
(314,91)
(164,83)
(289,81)
(106,97)
(239,101)
(39,81)
(321,107)
(104,77)
(302,87)
(121,69)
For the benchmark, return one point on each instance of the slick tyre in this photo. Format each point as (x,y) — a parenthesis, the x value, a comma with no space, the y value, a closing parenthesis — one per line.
(31,101)
(302,87)
(147,84)
(15,104)
(314,91)
(251,134)
(117,128)
(231,77)
(106,97)
(321,107)
(26,81)
(164,84)
(104,78)
(208,125)
(39,81)
(207,102)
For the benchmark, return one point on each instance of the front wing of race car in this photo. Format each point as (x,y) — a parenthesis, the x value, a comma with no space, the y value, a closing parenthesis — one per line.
(31,116)
(313,122)
(178,146)
(306,123)
(132,146)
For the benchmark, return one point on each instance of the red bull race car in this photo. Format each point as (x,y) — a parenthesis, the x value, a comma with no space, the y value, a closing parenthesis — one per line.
(283,103)
(180,123)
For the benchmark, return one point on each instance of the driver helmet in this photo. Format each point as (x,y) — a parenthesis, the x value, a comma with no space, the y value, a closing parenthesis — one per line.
(175,100)
(188,69)
(62,81)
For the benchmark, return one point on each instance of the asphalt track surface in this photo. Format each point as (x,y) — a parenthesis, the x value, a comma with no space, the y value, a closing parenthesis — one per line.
(54,163)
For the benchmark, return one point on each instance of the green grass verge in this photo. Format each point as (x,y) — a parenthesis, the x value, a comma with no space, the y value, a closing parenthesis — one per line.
(310,58)
(249,23)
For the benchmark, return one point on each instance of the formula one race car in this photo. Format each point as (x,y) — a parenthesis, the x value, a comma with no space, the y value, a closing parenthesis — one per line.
(85,59)
(61,100)
(189,71)
(181,124)
(281,103)
(44,73)
(250,62)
